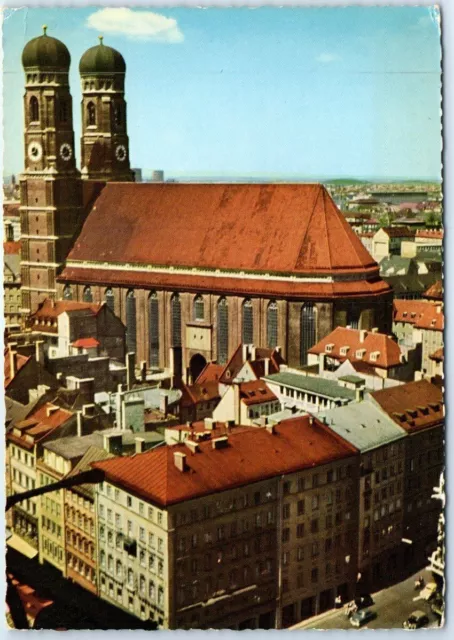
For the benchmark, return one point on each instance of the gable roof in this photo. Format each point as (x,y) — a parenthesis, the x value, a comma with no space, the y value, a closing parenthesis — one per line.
(435,291)
(210,373)
(49,310)
(410,311)
(199,392)
(413,406)
(251,455)
(292,228)
(255,392)
(12,247)
(379,349)
(19,362)
(256,357)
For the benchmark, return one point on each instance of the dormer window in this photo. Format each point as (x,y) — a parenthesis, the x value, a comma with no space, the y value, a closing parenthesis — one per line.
(405,314)
(360,353)
(329,348)
(344,351)
(374,356)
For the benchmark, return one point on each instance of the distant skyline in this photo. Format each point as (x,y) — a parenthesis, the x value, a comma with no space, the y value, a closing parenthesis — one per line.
(310,92)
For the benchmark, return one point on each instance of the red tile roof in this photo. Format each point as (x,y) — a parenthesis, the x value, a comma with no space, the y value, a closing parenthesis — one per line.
(438,355)
(252,454)
(199,392)
(387,351)
(289,228)
(86,343)
(11,209)
(19,362)
(255,392)
(435,292)
(38,423)
(210,373)
(430,234)
(49,310)
(256,357)
(432,319)
(399,232)
(413,406)
(226,285)
(410,311)
(12,247)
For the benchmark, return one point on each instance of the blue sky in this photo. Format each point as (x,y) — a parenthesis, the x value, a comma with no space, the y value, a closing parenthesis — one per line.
(319,92)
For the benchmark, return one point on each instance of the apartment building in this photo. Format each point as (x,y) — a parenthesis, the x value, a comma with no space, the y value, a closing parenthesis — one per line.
(418,408)
(193,535)
(244,402)
(381,445)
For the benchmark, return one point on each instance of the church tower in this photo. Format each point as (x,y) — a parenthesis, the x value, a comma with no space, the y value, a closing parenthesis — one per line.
(104,142)
(50,187)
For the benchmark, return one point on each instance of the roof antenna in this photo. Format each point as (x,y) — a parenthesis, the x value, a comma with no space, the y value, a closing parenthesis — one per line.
(45,29)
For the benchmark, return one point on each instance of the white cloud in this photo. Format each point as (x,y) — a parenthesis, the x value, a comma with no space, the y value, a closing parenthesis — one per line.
(137,25)
(327,58)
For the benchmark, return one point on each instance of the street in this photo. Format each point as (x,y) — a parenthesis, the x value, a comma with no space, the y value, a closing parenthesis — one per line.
(392,605)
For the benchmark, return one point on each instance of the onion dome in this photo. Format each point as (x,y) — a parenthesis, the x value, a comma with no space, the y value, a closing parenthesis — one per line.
(45,52)
(102,59)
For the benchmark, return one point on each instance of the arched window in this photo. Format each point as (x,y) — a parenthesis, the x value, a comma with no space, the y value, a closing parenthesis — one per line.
(109,298)
(247,330)
(34,109)
(175,306)
(131,322)
(198,308)
(87,295)
(308,330)
(271,323)
(67,293)
(91,114)
(63,111)
(223,330)
(153,318)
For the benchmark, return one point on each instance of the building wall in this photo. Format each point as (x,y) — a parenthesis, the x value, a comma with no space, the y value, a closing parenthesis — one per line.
(431,341)
(80,539)
(51,522)
(23,478)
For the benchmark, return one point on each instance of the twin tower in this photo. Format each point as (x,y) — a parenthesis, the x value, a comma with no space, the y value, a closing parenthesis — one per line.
(55,195)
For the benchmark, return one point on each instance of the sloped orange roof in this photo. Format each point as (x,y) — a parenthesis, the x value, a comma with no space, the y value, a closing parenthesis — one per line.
(11,209)
(290,228)
(19,362)
(410,311)
(199,392)
(255,392)
(12,247)
(251,455)
(435,234)
(399,232)
(413,406)
(435,292)
(236,362)
(432,319)
(438,355)
(86,343)
(53,308)
(210,373)
(387,350)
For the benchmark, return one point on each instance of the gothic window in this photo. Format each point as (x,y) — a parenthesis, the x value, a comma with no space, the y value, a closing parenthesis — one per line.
(223,331)
(63,111)
(176,320)
(247,331)
(109,298)
(67,293)
(131,322)
(198,309)
(308,331)
(34,109)
(153,315)
(271,323)
(91,114)
(87,295)
(353,317)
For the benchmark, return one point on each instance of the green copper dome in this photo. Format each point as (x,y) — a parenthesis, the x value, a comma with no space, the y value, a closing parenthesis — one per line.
(102,59)
(46,53)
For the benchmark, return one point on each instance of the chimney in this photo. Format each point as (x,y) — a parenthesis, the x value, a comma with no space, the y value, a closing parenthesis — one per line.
(88,410)
(271,429)
(209,424)
(80,424)
(244,352)
(375,330)
(362,335)
(130,370)
(267,366)
(50,410)
(359,395)
(139,445)
(179,459)
(311,420)
(164,403)
(321,364)
(220,443)
(236,403)
(192,446)
(253,352)
(120,388)
(12,363)
(143,371)
(39,351)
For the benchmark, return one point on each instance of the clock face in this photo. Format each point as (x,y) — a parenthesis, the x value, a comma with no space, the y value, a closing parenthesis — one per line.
(66,152)
(120,152)
(35,151)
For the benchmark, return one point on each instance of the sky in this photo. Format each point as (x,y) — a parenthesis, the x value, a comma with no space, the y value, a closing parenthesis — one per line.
(266,92)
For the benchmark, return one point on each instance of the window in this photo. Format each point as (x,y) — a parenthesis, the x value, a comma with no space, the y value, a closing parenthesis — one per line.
(175,306)
(308,331)
(222,330)
(142,534)
(300,531)
(91,114)
(151,591)
(153,319)
(315,502)
(314,575)
(34,109)
(67,293)
(271,323)
(109,298)
(247,329)
(314,525)
(285,535)
(87,295)
(131,322)
(286,512)
(198,308)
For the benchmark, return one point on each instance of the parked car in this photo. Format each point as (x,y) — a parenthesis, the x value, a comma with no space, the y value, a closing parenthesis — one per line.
(364,601)
(416,620)
(429,591)
(362,617)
